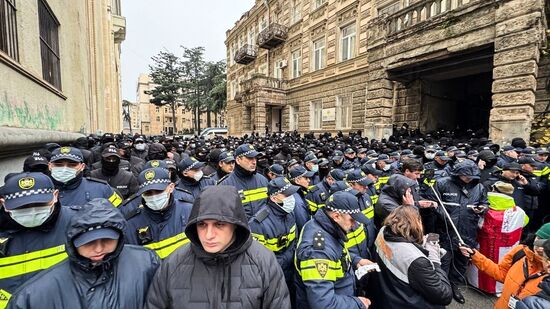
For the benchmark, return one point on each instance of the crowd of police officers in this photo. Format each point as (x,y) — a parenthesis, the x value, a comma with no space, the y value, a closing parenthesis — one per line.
(317,202)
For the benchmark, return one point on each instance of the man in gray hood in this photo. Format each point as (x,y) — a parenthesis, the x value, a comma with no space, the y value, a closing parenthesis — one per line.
(222,267)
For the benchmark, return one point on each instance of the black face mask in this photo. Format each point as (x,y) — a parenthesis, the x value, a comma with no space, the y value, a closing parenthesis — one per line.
(110,167)
(157,156)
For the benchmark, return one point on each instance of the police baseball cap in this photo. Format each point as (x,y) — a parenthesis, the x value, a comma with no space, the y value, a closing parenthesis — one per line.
(170,164)
(190,163)
(358,176)
(95,233)
(35,161)
(281,185)
(367,168)
(508,148)
(277,169)
(153,179)
(362,150)
(339,186)
(246,150)
(337,174)
(311,158)
(349,151)
(27,188)
(226,157)
(512,166)
(442,155)
(460,154)
(67,153)
(431,148)
(110,151)
(542,151)
(155,163)
(384,157)
(346,203)
(299,171)
(527,160)
(337,155)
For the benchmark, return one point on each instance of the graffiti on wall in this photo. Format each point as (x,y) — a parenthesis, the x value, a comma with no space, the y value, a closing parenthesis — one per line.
(20,113)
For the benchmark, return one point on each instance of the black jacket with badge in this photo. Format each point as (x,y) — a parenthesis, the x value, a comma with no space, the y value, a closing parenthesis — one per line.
(246,275)
(124,182)
(121,280)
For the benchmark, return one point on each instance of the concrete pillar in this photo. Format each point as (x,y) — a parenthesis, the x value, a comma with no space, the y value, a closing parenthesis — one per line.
(519,34)
(379,104)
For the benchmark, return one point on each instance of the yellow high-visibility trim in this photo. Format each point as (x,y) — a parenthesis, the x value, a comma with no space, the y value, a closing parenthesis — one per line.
(273,243)
(374,199)
(166,246)
(17,265)
(255,195)
(356,237)
(115,199)
(369,212)
(321,269)
(4,298)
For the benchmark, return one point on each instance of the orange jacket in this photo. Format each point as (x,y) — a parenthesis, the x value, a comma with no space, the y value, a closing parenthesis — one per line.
(512,276)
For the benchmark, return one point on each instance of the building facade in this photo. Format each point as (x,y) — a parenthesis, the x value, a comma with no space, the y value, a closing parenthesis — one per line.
(347,65)
(155,120)
(60,64)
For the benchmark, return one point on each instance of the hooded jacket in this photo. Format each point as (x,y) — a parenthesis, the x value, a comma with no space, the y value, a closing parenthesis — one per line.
(77,283)
(245,275)
(391,196)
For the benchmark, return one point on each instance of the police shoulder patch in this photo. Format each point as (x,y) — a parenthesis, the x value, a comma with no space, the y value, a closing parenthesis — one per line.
(97,180)
(319,241)
(323,196)
(261,215)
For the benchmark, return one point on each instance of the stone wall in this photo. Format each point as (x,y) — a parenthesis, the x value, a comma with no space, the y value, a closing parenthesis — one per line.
(540,132)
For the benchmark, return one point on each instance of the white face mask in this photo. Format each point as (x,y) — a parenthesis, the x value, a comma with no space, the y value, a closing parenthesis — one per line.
(139,146)
(198,175)
(156,202)
(315,168)
(430,155)
(64,174)
(31,217)
(288,204)
(387,167)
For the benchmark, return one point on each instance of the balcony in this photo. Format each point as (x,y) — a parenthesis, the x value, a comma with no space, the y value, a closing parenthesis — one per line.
(119,28)
(246,54)
(272,36)
(260,88)
(421,12)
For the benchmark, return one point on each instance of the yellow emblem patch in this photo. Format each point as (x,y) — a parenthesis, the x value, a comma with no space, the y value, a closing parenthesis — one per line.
(322,268)
(65,150)
(26,183)
(149,175)
(155,163)
(286,180)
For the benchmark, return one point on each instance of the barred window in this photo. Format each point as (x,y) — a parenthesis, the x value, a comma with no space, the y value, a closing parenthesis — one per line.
(8,29)
(49,44)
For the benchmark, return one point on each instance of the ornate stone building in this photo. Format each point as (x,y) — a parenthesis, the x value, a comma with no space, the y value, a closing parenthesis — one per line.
(331,65)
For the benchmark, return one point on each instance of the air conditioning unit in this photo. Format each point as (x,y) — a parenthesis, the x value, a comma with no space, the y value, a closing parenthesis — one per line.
(281,64)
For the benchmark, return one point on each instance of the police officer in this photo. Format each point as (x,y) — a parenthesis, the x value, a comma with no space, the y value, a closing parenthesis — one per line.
(274,171)
(350,160)
(304,209)
(192,177)
(32,230)
(274,226)
(251,186)
(226,165)
(383,164)
(124,182)
(66,166)
(317,195)
(159,222)
(360,182)
(312,164)
(322,260)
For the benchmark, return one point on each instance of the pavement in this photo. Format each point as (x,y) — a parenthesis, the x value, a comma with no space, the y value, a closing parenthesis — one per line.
(474,300)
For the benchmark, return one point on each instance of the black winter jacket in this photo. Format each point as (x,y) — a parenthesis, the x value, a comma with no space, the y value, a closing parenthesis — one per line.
(245,275)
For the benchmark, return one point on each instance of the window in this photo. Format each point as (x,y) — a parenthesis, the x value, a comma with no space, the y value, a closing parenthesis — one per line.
(158,118)
(347,43)
(318,3)
(294,118)
(262,24)
(316,119)
(278,70)
(157,109)
(296,63)
(251,37)
(319,54)
(295,11)
(8,29)
(343,112)
(49,45)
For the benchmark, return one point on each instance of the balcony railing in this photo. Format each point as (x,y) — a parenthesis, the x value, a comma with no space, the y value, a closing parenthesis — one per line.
(272,36)
(258,81)
(246,54)
(420,12)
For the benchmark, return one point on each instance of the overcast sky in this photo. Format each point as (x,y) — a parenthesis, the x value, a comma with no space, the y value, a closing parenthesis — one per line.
(152,26)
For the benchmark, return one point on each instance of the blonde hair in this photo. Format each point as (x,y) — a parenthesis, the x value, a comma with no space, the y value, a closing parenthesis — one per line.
(405,221)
